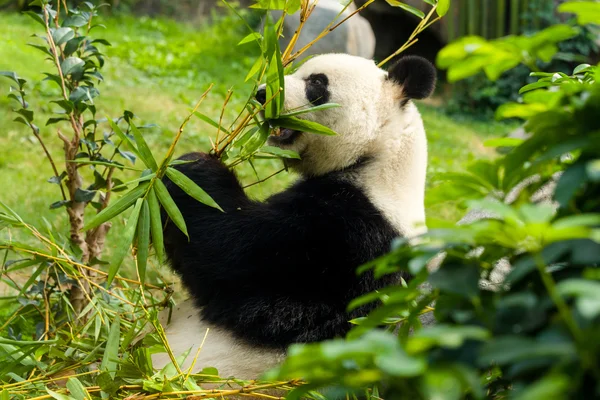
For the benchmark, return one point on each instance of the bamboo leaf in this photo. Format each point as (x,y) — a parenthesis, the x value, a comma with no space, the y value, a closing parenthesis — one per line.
(125,242)
(191,188)
(144,150)
(58,396)
(124,137)
(169,205)
(301,125)
(279,152)
(111,352)
(210,121)
(325,106)
(117,207)
(143,240)
(413,10)
(77,390)
(156,225)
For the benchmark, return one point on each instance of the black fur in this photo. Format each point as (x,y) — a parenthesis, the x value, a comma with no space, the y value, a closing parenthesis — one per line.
(282,271)
(316,89)
(416,75)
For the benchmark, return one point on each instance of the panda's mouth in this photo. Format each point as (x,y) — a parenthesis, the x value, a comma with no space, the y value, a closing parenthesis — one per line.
(284,136)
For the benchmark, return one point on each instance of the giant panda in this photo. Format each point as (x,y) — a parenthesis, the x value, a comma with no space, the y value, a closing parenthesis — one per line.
(264,275)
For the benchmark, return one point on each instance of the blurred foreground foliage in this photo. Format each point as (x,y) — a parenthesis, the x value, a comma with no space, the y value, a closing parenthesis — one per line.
(517,291)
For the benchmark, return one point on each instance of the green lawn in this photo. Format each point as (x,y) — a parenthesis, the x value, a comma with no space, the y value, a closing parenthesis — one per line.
(158,69)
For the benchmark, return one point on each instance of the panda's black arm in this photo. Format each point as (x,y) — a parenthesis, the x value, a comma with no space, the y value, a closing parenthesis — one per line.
(301,232)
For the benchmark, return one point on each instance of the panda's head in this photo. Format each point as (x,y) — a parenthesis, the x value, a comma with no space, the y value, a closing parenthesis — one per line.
(374,104)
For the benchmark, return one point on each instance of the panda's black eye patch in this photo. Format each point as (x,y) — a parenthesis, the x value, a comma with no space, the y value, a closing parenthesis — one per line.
(317,89)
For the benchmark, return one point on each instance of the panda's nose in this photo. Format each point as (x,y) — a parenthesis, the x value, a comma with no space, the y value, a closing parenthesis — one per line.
(261,96)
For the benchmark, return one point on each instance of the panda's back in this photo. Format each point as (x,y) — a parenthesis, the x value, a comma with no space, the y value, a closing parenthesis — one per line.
(305,270)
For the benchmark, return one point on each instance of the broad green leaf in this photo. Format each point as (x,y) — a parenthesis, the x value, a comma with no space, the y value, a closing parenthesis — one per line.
(111,352)
(191,188)
(117,207)
(551,386)
(143,240)
(77,390)
(124,241)
(301,125)
(62,35)
(169,205)
(10,75)
(72,65)
(588,12)
(144,151)
(442,7)
(156,225)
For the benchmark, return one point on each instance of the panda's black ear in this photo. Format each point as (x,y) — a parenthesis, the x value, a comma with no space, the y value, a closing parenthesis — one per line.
(415,74)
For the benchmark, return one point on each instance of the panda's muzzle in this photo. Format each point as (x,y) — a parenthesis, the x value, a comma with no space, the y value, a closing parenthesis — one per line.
(284,136)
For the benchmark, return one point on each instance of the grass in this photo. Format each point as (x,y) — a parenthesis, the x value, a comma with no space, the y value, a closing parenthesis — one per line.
(158,69)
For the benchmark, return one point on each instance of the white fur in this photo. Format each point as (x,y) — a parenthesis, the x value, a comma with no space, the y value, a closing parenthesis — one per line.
(371,123)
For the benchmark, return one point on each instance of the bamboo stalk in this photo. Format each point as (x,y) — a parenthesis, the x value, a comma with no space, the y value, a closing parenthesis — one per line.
(500,18)
(473,17)
(485,19)
(514,17)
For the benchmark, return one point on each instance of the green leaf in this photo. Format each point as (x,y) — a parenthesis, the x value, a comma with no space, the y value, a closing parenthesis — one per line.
(210,121)
(143,240)
(301,125)
(124,241)
(169,205)
(72,65)
(442,7)
(275,85)
(76,20)
(36,17)
(551,386)
(111,352)
(62,35)
(191,188)
(125,138)
(503,142)
(156,225)
(588,12)
(11,75)
(255,68)
(144,151)
(415,11)
(58,396)
(325,106)
(117,207)
(461,280)
(252,37)
(504,350)
(279,152)
(77,390)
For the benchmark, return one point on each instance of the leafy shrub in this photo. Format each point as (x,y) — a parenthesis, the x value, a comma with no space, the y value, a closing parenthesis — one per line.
(516,292)
(478,95)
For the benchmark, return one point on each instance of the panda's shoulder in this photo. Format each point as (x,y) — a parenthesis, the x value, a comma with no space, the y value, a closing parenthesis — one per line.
(325,195)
